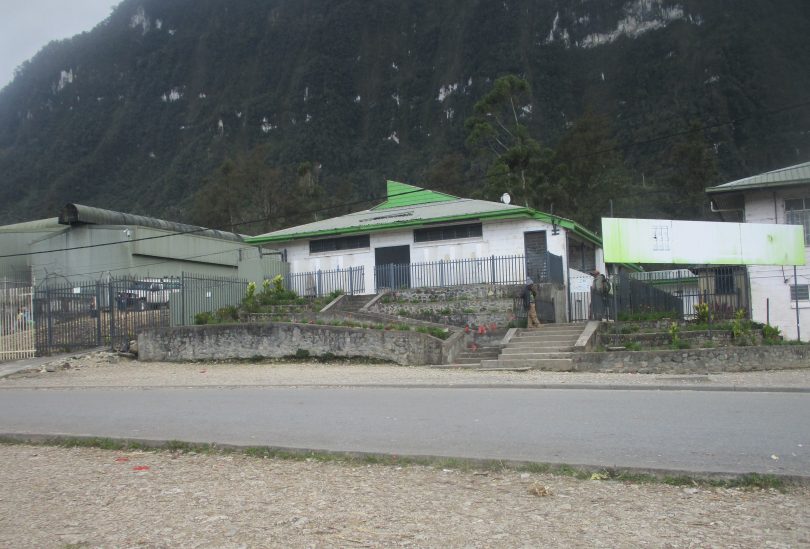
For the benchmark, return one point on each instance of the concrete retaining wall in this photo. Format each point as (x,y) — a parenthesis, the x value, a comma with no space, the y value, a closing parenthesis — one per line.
(276,340)
(697,361)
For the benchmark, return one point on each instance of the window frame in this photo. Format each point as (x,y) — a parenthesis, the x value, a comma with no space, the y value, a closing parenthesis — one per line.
(803,211)
(424,235)
(341,244)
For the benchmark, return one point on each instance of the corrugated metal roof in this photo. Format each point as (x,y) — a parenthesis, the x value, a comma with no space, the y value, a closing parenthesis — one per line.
(401,194)
(73,214)
(783,177)
(37,225)
(420,207)
(373,219)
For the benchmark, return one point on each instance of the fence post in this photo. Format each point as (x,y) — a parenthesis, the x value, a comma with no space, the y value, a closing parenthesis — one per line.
(492,265)
(318,284)
(183,290)
(50,319)
(98,313)
(351,280)
(441,273)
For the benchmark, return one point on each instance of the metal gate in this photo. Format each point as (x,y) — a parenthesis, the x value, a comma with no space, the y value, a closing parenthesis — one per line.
(75,316)
(16,323)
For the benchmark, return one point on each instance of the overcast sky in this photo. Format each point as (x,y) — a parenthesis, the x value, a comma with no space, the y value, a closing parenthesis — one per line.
(27,25)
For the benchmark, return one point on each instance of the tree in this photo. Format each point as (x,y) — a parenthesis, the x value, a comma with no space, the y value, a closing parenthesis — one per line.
(692,167)
(500,139)
(584,174)
(251,193)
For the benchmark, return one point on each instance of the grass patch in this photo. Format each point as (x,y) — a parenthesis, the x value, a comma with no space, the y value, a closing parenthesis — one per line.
(749,481)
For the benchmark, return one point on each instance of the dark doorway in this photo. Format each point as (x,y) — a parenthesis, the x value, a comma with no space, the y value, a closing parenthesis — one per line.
(392,266)
(536,258)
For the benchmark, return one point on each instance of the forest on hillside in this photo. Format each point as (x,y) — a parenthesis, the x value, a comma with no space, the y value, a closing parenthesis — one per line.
(256,114)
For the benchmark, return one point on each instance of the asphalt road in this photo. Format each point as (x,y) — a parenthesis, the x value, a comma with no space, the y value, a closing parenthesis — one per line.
(680,430)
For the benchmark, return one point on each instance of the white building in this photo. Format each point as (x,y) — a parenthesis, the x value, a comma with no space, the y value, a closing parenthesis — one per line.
(440,236)
(780,196)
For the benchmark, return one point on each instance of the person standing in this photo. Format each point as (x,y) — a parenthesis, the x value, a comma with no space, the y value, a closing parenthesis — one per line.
(601,288)
(529,296)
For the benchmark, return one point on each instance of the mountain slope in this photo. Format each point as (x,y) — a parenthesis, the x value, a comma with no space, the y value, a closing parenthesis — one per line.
(138,113)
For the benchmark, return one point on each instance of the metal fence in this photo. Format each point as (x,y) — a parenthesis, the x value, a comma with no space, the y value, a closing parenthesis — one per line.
(82,315)
(719,293)
(320,283)
(204,294)
(462,272)
(16,323)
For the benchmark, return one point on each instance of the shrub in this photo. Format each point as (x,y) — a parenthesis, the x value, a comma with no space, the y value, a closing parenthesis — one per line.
(201,319)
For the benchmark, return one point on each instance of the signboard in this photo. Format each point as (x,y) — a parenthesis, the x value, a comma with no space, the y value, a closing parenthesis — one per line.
(701,242)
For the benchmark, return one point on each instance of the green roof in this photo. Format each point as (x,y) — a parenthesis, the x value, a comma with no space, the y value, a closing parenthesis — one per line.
(411,206)
(783,177)
(401,194)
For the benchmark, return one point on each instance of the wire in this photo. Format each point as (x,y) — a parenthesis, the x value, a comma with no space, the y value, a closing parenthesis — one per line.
(199,229)
(469,180)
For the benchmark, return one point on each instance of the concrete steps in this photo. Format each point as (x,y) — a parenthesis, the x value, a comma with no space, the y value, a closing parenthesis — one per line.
(548,347)
(475,358)
(353,303)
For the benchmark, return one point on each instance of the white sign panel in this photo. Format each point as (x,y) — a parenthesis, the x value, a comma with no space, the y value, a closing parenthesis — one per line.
(701,242)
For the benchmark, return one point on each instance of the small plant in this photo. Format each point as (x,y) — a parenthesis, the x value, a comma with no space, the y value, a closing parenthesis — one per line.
(675,335)
(741,328)
(702,311)
(771,335)
(301,353)
(200,319)
(633,346)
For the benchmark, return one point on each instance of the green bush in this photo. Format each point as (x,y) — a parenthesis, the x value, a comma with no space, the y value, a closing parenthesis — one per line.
(201,319)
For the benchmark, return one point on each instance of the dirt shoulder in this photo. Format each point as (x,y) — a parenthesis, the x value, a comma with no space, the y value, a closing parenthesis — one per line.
(80,497)
(109,370)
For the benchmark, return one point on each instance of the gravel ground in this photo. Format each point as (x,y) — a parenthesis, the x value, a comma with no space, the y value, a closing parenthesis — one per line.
(108,370)
(59,497)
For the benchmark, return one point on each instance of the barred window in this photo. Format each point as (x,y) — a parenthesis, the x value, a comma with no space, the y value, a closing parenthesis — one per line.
(797,211)
(341,243)
(448,232)
(800,292)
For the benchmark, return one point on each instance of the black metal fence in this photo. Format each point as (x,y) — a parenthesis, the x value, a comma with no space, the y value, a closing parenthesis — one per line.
(320,283)
(83,315)
(462,272)
(714,294)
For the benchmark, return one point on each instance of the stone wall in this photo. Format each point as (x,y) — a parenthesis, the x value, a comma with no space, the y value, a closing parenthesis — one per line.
(276,340)
(472,305)
(697,361)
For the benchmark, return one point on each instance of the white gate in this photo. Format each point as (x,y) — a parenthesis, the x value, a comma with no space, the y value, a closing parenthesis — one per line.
(580,297)
(16,324)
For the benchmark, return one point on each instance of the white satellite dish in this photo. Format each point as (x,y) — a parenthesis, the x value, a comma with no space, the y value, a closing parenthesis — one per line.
(505,198)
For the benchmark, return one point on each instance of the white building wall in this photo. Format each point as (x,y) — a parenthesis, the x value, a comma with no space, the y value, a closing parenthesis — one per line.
(499,238)
(770,285)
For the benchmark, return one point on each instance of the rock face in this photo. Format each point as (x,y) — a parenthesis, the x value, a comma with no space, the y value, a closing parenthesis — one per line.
(364,90)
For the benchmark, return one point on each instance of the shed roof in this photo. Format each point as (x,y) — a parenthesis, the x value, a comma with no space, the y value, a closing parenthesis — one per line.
(77,214)
(783,177)
(411,206)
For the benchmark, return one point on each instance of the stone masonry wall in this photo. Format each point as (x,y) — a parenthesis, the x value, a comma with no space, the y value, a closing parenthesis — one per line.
(697,361)
(471,305)
(276,340)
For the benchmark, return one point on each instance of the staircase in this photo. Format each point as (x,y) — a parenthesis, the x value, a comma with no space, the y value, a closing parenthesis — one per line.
(470,357)
(352,303)
(548,347)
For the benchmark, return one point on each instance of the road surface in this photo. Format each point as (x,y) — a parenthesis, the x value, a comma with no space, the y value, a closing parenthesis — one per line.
(681,430)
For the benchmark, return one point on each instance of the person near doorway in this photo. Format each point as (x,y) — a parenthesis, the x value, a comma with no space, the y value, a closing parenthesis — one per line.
(601,289)
(529,296)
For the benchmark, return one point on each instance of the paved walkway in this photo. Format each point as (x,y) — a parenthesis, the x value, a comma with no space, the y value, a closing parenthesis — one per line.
(103,369)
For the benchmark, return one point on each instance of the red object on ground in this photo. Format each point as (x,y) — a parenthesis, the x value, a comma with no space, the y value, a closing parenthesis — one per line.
(141,468)
(467,329)
(482,329)
(121,459)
